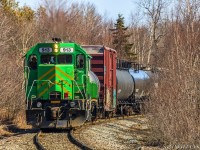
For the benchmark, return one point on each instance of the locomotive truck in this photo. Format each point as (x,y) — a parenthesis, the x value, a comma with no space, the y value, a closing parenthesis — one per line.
(67,84)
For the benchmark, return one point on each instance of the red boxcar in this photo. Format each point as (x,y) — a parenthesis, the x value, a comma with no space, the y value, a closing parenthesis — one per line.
(103,64)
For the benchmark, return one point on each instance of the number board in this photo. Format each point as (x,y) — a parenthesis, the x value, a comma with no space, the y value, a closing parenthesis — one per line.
(66,50)
(45,50)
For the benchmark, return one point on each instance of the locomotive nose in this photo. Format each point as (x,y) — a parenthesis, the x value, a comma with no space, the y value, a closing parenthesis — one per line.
(46,77)
(55,82)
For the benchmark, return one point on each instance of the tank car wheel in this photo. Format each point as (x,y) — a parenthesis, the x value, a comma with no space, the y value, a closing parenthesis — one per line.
(136,108)
(126,110)
(142,108)
(130,110)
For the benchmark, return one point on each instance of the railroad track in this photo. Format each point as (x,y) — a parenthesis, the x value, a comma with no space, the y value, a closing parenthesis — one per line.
(69,135)
(37,142)
(70,138)
(77,142)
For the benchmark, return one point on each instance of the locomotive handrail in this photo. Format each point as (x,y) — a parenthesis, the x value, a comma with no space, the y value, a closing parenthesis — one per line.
(78,88)
(83,84)
(32,87)
(27,77)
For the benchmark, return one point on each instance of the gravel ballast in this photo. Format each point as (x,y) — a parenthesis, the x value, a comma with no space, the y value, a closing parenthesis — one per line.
(18,142)
(123,134)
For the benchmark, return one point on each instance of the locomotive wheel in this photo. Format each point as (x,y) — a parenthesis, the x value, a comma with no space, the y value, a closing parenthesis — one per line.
(137,108)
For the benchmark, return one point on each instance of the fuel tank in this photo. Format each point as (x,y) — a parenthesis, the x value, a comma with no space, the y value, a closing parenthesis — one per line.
(125,84)
(143,82)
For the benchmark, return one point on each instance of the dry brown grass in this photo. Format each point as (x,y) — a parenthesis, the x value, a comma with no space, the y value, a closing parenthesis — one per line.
(7,127)
(3,114)
(20,121)
(4,131)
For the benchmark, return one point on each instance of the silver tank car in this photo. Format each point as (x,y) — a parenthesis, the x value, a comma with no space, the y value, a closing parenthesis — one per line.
(125,84)
(142,81)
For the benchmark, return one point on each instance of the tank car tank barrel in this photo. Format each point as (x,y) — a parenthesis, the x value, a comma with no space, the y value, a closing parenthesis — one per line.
(125,84)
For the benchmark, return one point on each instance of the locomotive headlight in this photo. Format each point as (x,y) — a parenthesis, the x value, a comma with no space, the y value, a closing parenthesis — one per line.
(55,48)
(39,104)
(72,104)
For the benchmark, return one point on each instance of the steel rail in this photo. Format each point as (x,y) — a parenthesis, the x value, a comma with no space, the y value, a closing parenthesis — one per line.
(37,142)
(76,142)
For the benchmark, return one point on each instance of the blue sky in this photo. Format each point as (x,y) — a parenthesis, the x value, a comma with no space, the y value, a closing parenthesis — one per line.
(109,7)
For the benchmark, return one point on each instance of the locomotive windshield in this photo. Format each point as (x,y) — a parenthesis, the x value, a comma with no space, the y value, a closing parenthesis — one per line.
(64,59)
(48,59)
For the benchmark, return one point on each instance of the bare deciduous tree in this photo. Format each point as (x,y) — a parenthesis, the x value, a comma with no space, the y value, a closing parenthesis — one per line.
(174,106)
(153,10)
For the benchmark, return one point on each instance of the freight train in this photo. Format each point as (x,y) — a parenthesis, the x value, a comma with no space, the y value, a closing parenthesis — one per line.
(67,84)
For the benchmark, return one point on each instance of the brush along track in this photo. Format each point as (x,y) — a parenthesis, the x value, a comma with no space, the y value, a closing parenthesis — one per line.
(59,139)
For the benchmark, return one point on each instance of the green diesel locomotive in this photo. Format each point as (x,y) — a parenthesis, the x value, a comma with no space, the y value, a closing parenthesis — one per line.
(61,91)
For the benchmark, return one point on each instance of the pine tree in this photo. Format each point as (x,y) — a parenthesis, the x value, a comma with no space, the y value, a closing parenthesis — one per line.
(120,38)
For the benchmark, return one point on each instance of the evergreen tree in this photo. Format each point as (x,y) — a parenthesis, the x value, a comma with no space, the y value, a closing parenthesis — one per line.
(120,38)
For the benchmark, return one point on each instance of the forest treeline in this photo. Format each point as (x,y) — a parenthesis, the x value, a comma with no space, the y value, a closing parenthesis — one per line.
(168,37)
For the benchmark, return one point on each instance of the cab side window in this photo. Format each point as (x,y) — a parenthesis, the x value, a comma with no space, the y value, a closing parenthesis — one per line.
(80,61)
(33,62)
